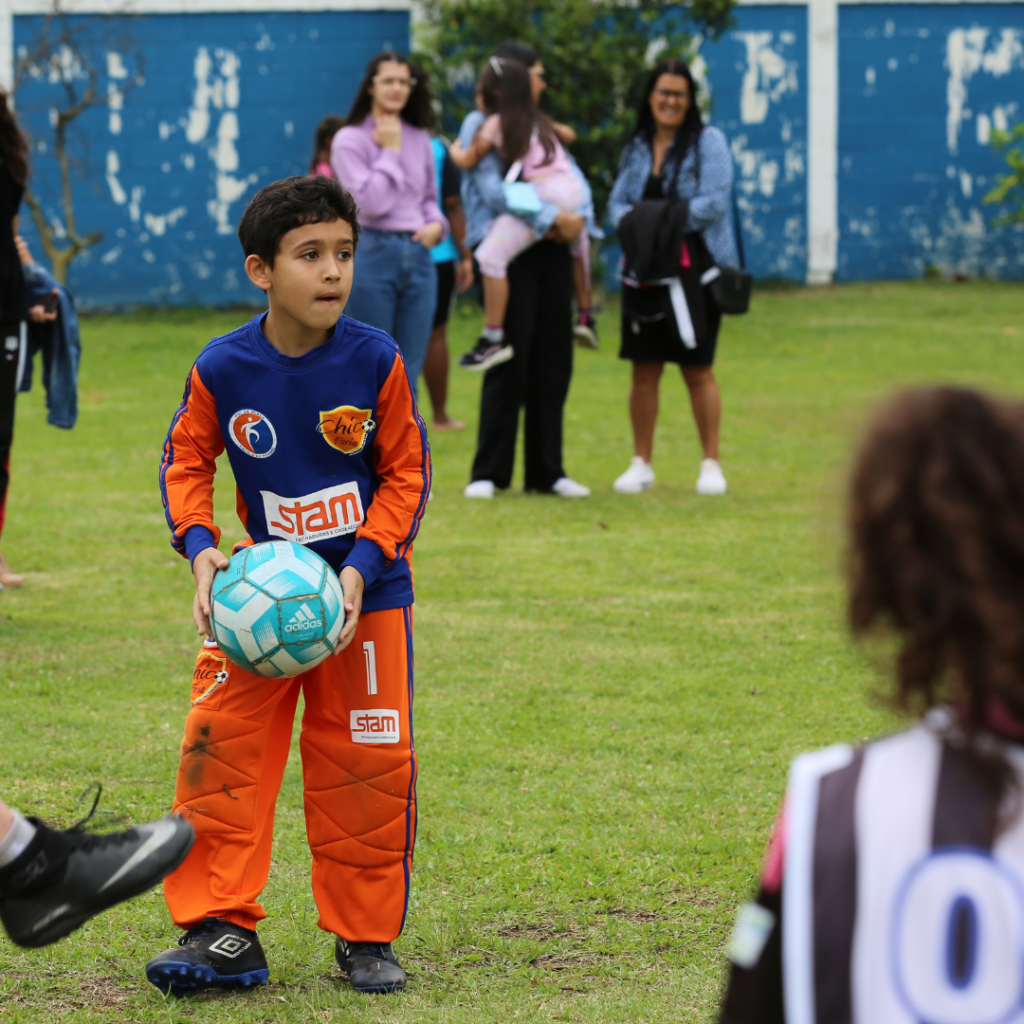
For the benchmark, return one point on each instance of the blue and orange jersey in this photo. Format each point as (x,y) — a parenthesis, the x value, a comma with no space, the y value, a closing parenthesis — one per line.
(328,450)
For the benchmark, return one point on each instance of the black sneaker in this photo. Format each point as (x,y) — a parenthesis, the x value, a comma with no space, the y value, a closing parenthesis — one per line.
(370,966)
(485,354)
(585,331)
(214,954)
(63,878)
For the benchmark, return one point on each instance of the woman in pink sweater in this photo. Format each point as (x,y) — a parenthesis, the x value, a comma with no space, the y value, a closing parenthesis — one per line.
(385,158)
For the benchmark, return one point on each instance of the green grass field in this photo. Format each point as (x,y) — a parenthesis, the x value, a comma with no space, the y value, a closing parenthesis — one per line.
(608,691)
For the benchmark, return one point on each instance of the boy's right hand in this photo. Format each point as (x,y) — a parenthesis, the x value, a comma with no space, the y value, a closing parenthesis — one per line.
(204,566)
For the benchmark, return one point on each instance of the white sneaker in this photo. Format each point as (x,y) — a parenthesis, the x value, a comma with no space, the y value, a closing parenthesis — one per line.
(565,487)
(711,479)
(479,489)
(639,477)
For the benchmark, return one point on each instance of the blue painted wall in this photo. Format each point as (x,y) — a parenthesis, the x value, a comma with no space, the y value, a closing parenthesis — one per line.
(920,87)
(229,103)
(758,82)
(755,76)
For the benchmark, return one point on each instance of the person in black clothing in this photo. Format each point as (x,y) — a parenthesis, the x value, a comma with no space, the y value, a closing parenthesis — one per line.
(538,325)
(13,311)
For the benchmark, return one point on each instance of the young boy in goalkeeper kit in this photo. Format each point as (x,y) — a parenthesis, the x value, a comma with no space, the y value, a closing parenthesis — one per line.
(317,416)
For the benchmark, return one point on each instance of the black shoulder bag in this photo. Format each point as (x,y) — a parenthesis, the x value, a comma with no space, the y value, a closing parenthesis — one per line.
(730,288)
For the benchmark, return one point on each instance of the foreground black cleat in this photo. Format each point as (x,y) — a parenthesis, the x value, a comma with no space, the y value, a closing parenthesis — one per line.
(370,966)
(64,878)
(485,354)
(214,954)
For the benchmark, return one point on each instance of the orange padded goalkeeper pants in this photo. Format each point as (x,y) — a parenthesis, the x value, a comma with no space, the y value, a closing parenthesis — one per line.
(359,775)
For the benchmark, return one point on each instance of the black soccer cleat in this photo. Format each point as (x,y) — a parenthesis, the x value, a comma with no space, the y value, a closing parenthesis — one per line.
(371,966)
(485,354)
(214,954)
(63,878)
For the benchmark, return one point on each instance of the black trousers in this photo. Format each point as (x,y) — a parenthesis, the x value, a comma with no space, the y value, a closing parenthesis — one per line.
(12,361)
(538,325)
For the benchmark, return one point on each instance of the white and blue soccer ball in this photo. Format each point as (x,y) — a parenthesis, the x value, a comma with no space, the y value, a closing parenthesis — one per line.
(277,609)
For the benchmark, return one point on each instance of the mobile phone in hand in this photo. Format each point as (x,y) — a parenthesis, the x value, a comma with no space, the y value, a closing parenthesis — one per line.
(52,302)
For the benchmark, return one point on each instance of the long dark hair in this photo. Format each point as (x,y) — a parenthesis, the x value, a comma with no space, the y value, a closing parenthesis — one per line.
(325,132)
(418,110)
(936,526)
(692,123)
(13,147)
(508,82)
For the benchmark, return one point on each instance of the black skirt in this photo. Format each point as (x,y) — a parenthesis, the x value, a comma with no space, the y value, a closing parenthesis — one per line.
(649,336)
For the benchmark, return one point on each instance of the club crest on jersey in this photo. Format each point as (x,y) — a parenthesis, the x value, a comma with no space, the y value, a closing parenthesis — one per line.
(253,433)
(346,428)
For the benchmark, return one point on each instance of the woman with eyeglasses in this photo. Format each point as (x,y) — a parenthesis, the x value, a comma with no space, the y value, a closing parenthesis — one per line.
(384,156)
(674,155)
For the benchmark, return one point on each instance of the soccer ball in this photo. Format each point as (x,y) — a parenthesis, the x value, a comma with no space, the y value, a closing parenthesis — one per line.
(277,609)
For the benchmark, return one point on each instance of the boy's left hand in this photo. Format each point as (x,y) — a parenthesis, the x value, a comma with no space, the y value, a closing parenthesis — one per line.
(430,234)
(352,585)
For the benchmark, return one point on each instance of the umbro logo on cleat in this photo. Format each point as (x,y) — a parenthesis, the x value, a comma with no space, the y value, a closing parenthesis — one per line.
(230,945)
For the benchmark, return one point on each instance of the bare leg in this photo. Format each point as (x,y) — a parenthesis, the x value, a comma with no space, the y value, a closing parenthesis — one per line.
(8,577)
(6,820)
(643,406)
(581,286)
(706,401)
(435,374)
(495,300)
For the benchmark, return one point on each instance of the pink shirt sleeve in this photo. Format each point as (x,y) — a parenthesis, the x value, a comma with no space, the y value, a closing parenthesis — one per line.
(491,130)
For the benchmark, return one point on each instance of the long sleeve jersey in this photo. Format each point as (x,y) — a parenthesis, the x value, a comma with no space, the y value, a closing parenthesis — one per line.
(328,450)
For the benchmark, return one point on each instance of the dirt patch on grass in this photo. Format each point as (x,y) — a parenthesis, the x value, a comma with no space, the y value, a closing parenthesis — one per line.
(533,932)
(570,961)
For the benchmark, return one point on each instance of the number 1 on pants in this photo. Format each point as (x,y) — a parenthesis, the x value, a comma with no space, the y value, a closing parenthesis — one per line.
(371,666)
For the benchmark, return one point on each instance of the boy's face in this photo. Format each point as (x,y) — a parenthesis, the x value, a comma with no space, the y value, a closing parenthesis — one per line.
(311,278)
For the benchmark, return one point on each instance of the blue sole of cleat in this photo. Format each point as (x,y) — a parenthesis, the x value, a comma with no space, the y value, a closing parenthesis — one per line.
(181,977)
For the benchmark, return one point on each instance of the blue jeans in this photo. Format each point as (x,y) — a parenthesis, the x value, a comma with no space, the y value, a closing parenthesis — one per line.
(394,288)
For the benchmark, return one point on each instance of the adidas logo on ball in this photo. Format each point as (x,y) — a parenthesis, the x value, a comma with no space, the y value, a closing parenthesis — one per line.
(278,609)
(302,619)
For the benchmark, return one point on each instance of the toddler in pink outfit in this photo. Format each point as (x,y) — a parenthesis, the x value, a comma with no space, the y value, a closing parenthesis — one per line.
(524,137)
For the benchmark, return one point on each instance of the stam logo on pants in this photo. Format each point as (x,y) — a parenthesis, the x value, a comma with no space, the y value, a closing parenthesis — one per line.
(374,725)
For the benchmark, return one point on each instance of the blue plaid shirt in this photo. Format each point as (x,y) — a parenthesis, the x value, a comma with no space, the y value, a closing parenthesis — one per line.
(709,198)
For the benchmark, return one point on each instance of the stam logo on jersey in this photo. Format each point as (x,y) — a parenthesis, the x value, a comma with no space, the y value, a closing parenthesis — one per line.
(346,428)
(321,515)
(253,433)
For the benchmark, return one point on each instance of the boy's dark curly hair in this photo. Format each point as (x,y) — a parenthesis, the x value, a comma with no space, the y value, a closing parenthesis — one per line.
(289,203)
(936,520)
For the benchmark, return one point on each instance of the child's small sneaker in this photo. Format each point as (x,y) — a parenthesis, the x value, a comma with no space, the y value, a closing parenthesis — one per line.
(639,477)
(372,967)
(585,331)
(214,954)
(485,354)
(711,479)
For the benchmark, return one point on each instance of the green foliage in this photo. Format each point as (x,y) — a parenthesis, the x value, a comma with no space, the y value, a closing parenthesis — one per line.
(1009,189)
(596,53)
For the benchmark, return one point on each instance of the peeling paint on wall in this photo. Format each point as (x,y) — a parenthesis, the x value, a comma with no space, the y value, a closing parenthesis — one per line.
(229,103)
